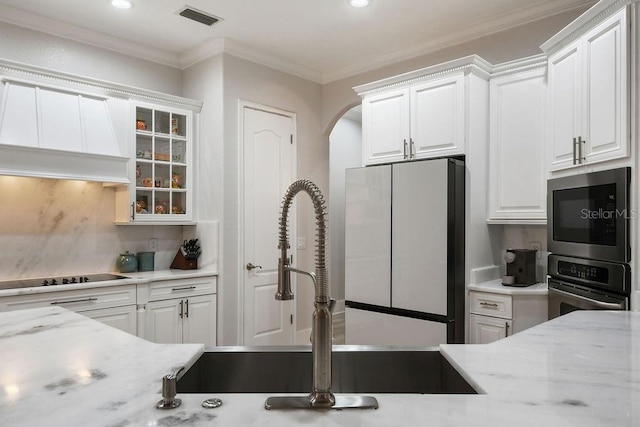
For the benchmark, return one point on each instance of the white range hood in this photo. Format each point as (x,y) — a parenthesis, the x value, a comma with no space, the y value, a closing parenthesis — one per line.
(53,132)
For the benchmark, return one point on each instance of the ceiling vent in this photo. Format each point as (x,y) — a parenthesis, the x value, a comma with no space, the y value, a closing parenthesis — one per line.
(199,16)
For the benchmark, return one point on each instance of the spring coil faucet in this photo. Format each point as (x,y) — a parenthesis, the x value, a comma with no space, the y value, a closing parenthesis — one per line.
(321,395)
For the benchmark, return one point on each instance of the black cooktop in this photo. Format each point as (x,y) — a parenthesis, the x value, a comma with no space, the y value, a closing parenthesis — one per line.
(62,280)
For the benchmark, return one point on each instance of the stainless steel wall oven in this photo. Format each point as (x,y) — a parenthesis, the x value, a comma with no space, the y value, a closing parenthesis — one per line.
(588,234)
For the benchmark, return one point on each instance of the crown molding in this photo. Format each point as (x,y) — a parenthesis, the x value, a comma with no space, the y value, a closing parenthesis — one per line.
(17,71)
(213,47)
(593,16)
(250,53)
(85,36)
(472,63)
(520,65)
(494,25)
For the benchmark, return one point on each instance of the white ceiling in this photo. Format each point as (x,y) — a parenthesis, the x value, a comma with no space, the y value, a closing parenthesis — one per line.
(321,40)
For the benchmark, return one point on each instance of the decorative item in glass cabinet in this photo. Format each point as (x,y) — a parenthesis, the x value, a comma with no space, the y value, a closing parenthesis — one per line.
(176,181)
(141,124)
(141,206)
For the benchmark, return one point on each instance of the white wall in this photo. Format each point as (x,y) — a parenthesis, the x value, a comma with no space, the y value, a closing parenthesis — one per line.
(221,82)
(61,54)
(345,151)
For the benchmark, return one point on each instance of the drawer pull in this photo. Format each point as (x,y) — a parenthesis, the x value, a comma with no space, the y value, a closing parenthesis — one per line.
(186,288)
(74,301)
(489,304)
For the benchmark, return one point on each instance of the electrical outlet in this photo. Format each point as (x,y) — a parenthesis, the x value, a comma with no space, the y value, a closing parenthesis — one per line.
(301,243)
(538,247)
(153,244)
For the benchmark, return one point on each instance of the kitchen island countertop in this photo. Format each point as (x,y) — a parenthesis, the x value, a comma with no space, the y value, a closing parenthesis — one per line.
(60,368)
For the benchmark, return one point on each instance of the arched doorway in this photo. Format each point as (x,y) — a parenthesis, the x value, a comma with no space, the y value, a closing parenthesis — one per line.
(345,151)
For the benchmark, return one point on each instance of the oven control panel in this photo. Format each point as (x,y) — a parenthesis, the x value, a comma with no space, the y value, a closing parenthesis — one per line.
(607,275)
(586,272)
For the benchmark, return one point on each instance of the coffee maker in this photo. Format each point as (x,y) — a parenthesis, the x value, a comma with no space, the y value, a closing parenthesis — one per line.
(521,267)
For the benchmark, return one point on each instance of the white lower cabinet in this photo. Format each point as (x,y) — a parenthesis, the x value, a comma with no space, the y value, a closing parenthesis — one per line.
(493,316)
(178,311)
(485,329)
(183,320)
(123,318)
(113,305)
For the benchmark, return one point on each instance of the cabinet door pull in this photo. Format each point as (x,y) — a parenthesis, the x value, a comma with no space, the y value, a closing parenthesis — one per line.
(575,158)
(181,309)
(133,211)
(74,301)
(186,308)
(506,329)
(412,149)
(580,142)
(404,152)
(186,288)
(489,304)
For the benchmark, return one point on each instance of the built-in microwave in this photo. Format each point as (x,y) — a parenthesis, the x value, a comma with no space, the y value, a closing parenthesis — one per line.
(588,215)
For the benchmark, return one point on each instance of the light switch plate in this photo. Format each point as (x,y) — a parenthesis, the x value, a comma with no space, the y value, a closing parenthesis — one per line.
(301,243)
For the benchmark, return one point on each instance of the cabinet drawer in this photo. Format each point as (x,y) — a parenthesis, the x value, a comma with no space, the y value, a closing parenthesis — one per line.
(76,300)
(167,289)
(496,305)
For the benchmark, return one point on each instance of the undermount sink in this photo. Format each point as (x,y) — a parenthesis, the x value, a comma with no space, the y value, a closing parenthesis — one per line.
(356,369)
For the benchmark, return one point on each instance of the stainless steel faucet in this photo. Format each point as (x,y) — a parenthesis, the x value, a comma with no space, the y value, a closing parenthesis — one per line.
(321,395)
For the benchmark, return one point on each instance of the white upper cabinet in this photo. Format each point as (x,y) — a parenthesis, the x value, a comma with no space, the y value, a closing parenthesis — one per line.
(422,114)
(517,172)
(437,117)
(588,90)
(161,167)
(385,126)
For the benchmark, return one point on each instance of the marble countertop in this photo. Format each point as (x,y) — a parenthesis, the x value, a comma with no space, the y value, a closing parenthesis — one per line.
(131,278)
(496,287)
(582,369)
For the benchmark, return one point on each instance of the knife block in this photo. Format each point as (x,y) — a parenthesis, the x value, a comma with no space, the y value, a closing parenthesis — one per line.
(180,262)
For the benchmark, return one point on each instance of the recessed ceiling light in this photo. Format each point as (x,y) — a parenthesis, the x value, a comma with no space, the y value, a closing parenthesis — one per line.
(359,3)
(122,4)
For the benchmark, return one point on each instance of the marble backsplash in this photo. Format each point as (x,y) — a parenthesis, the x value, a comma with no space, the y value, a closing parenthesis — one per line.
(57,227)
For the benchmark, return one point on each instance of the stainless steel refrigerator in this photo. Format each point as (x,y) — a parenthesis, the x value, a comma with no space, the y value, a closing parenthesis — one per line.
(404,253)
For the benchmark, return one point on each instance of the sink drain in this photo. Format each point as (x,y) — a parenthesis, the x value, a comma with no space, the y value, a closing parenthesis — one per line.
(212,403)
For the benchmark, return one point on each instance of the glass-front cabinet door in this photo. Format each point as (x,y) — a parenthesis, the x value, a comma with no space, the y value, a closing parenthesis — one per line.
(160,188)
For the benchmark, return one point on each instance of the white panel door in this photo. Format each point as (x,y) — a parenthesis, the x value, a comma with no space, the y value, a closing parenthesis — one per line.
(268,172)
(385,127)
(484,329)
(605,112)
(437,117)
(565,90)
(199,320)
(123,318)
(517,172)
(419,238)
(368,235)
(163,321)
(370,328)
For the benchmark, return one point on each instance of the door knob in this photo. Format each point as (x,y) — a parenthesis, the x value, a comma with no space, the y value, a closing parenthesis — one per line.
(251,266)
